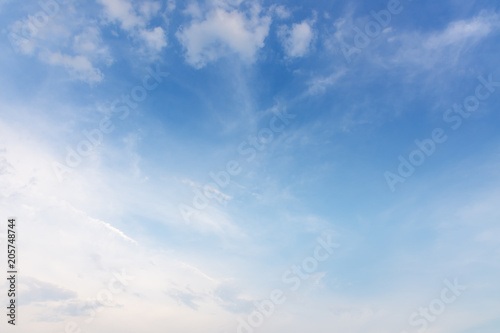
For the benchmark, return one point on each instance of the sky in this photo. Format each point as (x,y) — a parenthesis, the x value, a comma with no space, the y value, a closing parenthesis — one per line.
(225,166)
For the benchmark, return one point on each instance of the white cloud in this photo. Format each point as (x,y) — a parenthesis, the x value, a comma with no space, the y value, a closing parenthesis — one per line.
(148,9)
(64,40)
(39,291)
(426,50)
(123,12)
(135,18)
(458,31)
(281,11)
(446,46)
(90,44)
(218,195)
(344,26)
(20,40)
(319,84)
(78,66)
(86,252)
(155,39)
(193,9)
(223,33)
(171,5)
(297,40)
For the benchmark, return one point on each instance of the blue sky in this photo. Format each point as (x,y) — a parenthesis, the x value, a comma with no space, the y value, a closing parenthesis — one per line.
(373,123)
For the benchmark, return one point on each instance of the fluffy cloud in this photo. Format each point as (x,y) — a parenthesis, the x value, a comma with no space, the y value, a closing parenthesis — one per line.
(224,32)
(155,39)
(134,18)
(90,44)
(281,11)
(62,40)
(123,12)
(78,66)
(298,39)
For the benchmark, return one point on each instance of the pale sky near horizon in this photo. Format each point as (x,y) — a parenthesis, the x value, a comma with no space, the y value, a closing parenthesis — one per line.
(174,165)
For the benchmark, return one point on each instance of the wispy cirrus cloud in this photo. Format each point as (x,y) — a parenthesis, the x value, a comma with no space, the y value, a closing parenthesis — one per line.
(444,47)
